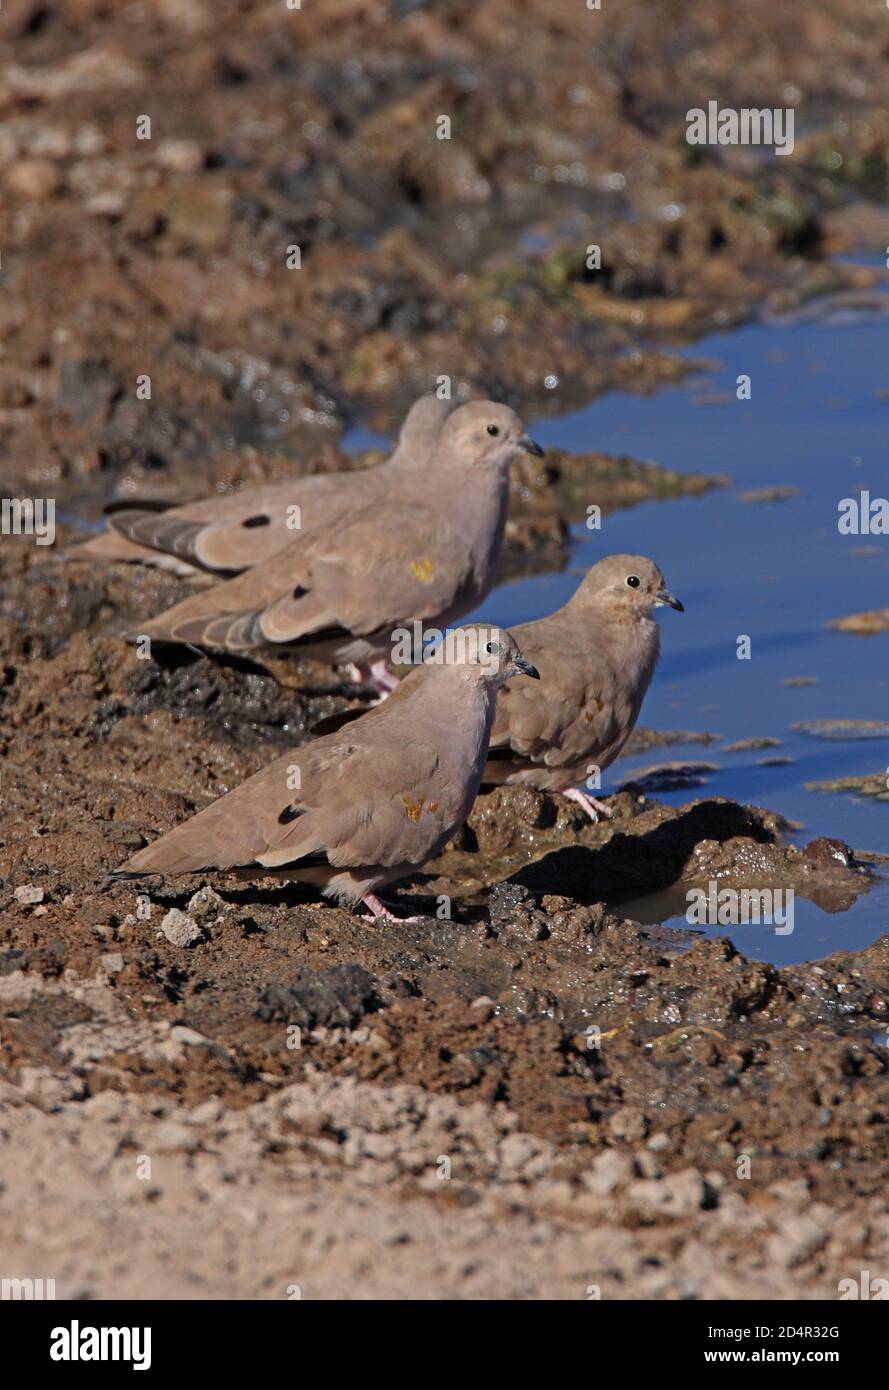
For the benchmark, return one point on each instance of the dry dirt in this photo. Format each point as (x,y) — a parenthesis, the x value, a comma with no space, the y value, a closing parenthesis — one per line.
(532,1098)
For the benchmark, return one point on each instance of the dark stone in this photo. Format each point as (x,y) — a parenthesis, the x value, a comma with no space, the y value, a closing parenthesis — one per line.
(335,997)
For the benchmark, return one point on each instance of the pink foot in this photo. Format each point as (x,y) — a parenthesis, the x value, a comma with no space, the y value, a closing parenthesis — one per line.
(592,807)
(383,681)
(379,913)
(377,674)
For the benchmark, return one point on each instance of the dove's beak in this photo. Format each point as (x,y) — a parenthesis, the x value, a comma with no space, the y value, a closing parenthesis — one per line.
(664,596)
(529,446)
(525,668)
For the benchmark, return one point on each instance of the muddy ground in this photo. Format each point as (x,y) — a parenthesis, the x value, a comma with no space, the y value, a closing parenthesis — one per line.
(533,1097)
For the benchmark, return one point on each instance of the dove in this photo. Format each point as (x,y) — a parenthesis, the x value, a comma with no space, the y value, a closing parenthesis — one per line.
(428,553)
(357,810)
(221,536)
(596,657)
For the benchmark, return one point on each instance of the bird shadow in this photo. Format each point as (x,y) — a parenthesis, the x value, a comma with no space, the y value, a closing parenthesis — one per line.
(627,865)
(175,656)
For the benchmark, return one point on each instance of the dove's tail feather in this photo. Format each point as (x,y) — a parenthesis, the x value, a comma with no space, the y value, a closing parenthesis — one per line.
(300,616)
(225,546)
(111,547)
(159,531)
(145,504)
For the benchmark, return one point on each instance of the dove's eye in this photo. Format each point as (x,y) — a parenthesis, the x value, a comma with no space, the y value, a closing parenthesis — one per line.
(633,580)
(494,430)
(492,649)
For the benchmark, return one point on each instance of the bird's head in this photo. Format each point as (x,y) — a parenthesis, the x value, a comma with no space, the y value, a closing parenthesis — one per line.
(630,583)
(483,652)
(485,434)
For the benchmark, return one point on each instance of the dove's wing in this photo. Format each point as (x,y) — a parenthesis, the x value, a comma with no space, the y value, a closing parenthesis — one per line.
(372,574)
(227,535)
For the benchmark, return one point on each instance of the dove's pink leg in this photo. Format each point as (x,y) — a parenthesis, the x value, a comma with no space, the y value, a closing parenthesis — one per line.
(376,674)
(589,803)
(379,913)
(384,680)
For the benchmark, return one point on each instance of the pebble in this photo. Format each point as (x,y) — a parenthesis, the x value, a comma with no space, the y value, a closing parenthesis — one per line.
(792,1193)
(680,1194)
(34,178)
(796,1240)
(181,1034)
(522,1154)
(180,929)
(28,893)
(206,900)
(207,1113)
(107,204)
(609,1170)
(629,1123)
(171,1135)
(647,1165)
(180,156)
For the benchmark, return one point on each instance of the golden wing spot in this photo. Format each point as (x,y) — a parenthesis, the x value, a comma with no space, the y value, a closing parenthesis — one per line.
(433,807)
(424,570)
(600,705)
(413,809)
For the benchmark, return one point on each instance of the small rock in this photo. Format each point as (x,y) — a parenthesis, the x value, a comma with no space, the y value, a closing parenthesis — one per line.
(180,156)
(680,1194)
(792,1193)
(34,178)
(190,1036)
(180,929)
(112,963)
(335,996)
(825,850)
(629,1123)
(108,203)
(481,1010)
(208,1112)
(29,893)
(647,1165)
(609,1170)
(44,1089)
(171,1135)
(89,141)
(796,1240)
(206,900)
(522,1154)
